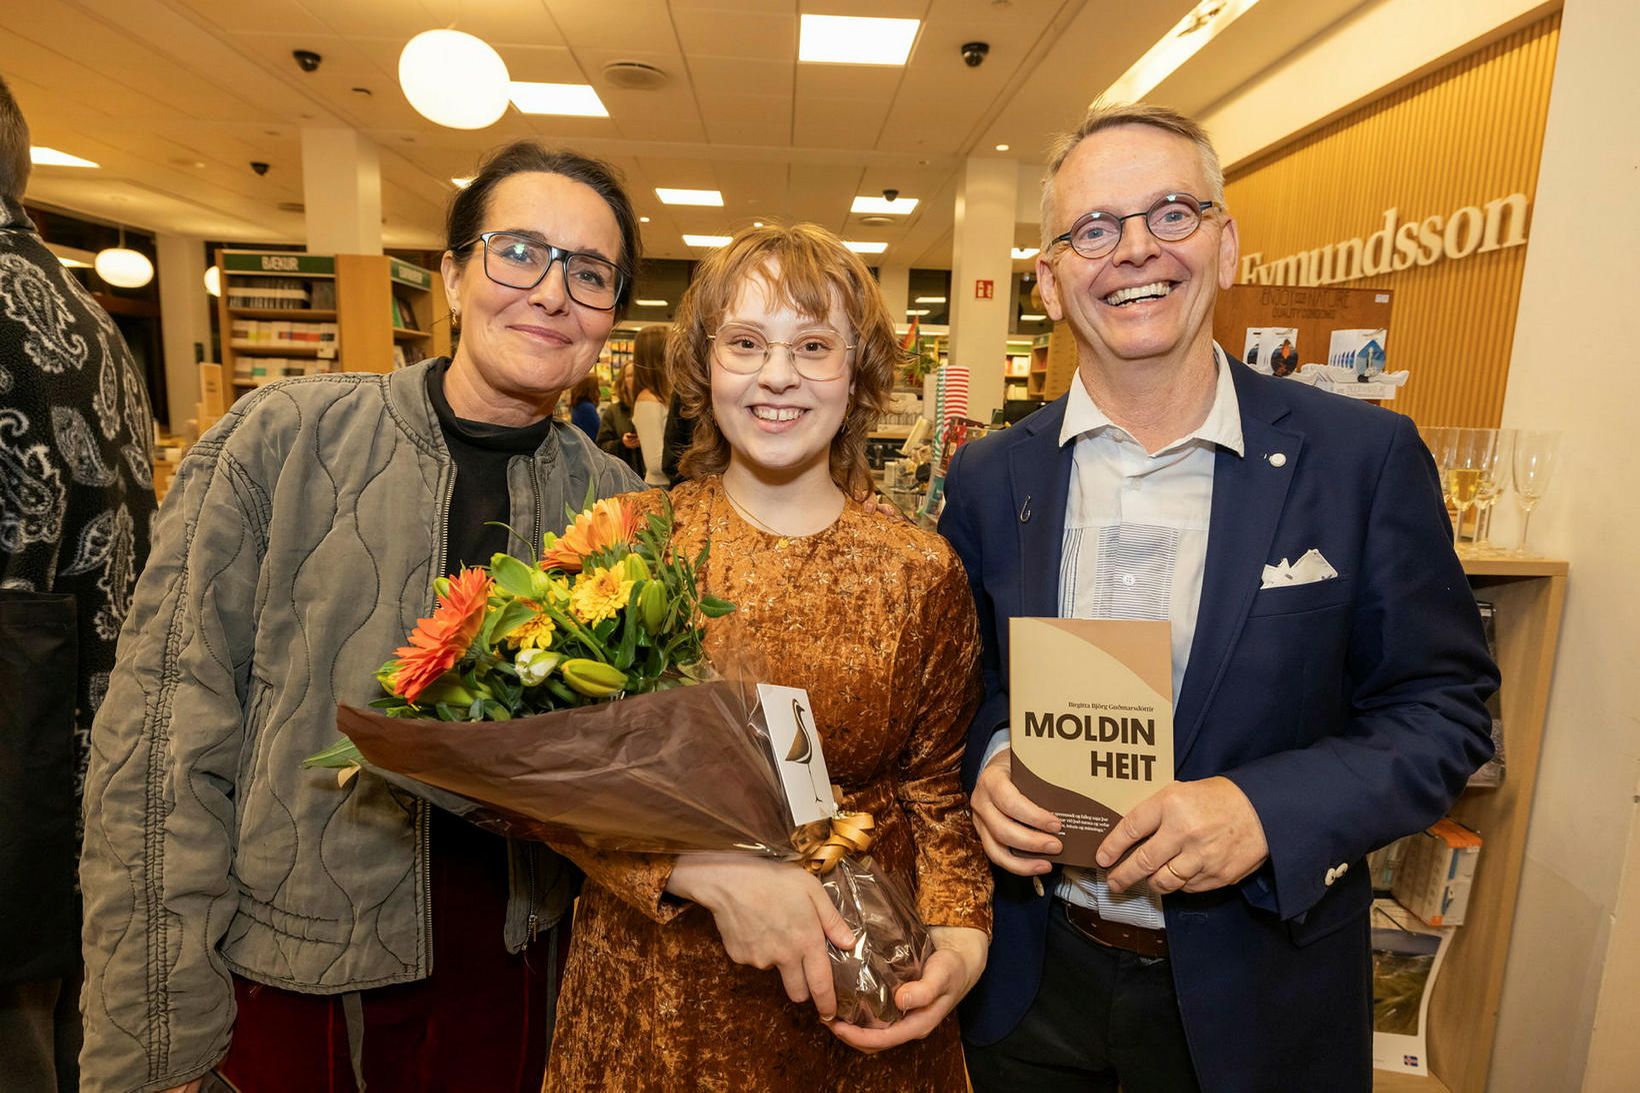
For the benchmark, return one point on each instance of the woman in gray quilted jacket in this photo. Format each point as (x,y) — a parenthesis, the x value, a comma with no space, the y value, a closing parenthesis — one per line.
(245,916)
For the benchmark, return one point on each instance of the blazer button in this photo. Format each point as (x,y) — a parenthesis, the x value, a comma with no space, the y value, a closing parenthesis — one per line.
(1343,867)
(1332,875)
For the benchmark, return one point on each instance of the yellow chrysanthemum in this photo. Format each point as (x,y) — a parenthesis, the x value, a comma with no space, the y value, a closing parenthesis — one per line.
(534,634)
(598,594)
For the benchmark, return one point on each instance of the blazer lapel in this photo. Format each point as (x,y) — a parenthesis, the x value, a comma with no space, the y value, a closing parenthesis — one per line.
(1039,472)
(1249,493)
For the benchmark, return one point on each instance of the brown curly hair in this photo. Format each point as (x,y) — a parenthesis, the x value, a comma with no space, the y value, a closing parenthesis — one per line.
(804,265)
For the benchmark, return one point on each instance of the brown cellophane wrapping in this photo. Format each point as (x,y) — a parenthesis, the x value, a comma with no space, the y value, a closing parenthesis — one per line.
(681,770)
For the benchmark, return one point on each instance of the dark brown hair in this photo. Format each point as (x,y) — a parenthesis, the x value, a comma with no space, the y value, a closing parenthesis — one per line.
(15,163)
(806,266)
(649,363)
(586,391)
(467,208)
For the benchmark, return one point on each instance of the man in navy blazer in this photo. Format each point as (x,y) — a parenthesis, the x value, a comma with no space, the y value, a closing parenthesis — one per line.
(1323,708)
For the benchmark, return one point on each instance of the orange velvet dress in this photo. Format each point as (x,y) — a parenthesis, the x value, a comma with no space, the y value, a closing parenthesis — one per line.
(875,619)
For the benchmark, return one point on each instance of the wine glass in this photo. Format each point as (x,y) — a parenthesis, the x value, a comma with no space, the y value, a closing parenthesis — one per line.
(1494,479)
(1472,450)
(1438,439)
(1535,451)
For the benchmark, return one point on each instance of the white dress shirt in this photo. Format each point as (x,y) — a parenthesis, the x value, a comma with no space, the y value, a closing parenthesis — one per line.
(1135,547)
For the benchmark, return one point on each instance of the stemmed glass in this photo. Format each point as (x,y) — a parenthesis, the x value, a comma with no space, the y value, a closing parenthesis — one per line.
(1438,439)
(1472,450)
(1535,451)
(1494,479)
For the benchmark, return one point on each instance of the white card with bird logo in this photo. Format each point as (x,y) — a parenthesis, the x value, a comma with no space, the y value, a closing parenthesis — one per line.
(795,740)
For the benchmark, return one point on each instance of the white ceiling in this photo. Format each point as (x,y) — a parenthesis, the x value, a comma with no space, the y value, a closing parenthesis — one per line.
(175,98)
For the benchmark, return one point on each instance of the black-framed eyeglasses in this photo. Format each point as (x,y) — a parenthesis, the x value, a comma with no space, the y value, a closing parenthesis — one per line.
(1172,218)
(818,355)
(523,261)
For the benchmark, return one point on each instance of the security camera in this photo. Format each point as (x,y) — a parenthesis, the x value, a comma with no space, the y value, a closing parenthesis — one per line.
(973,53)
(890,195)
(308,61)
(259,167)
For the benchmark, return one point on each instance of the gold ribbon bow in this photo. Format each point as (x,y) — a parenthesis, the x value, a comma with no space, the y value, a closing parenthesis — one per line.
(844,833)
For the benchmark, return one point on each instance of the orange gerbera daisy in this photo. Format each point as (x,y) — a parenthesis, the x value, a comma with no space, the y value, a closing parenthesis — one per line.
(438,642)
(606,524)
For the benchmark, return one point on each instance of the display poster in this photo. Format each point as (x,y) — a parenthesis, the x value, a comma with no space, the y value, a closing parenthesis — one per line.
(1091,720)
(1335,339)
(1406,958)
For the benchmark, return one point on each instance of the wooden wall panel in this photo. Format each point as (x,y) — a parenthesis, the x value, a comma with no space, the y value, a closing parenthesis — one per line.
(1463,135)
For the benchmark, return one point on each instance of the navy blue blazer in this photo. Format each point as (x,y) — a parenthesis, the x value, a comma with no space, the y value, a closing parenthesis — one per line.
(1350,711)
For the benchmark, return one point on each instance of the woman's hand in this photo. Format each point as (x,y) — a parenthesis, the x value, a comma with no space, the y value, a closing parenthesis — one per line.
(958,960)
(769,915)
(630,440)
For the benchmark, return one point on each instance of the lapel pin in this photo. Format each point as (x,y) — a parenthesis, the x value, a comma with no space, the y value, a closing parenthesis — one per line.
(1025,510)
(1276,459)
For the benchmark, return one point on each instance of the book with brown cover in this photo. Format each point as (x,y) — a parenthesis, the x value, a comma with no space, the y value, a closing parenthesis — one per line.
(1091,721)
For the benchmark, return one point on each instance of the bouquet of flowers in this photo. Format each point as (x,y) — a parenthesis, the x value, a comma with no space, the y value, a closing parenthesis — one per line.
(502,707)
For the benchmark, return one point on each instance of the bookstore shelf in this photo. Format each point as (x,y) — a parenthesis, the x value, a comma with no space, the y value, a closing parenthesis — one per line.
(1528,595)
(284,313)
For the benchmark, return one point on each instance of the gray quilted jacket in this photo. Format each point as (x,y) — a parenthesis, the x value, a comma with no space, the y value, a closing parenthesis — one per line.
(294,553)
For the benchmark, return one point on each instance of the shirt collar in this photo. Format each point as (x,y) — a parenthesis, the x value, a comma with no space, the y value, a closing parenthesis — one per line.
(1221,427)
(12,215)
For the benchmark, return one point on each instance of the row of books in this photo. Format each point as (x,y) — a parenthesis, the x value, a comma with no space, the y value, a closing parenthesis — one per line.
(255,371)
(282,292)
(280,332)
(404,316)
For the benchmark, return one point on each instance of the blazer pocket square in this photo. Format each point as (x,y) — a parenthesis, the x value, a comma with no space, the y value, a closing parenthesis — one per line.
(1310,568)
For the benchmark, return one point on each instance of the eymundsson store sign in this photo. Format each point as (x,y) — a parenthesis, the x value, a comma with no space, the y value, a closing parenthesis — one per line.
(1398,245)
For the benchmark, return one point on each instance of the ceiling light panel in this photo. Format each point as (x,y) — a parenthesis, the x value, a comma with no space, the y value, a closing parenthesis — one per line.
(1019,254)
(712,198)
(42,156)
(864,247)
(900,206)
(706,240)
(850,40)
(1206,21)
(929,300)
(571,100)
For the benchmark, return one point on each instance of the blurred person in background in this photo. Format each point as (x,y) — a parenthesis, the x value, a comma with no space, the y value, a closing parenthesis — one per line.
(76,501)
(616,433)
(583,411)
(649,406)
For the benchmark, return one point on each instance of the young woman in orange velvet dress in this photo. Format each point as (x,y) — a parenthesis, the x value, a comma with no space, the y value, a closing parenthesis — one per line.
(710,971)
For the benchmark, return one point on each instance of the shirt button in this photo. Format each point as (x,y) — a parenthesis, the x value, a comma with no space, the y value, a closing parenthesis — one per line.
(1129,579)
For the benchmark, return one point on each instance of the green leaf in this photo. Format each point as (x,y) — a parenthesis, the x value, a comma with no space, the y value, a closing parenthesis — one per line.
(512,575)
(714,608)
(495,711)
(508,619)
(343,753)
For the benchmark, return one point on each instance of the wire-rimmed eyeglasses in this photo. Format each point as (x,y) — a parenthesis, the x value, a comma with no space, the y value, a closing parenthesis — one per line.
(818,355)
(523,261)
(1174,217)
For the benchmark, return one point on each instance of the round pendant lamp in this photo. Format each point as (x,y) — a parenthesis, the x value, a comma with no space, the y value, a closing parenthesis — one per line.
(213,280)
(122,267)
(454,79)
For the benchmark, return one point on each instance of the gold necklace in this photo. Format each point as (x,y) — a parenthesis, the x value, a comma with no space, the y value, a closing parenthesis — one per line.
(780,536)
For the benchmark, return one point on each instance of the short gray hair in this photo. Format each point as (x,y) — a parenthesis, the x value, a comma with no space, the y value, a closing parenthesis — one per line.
(1109,116)
(15,163)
